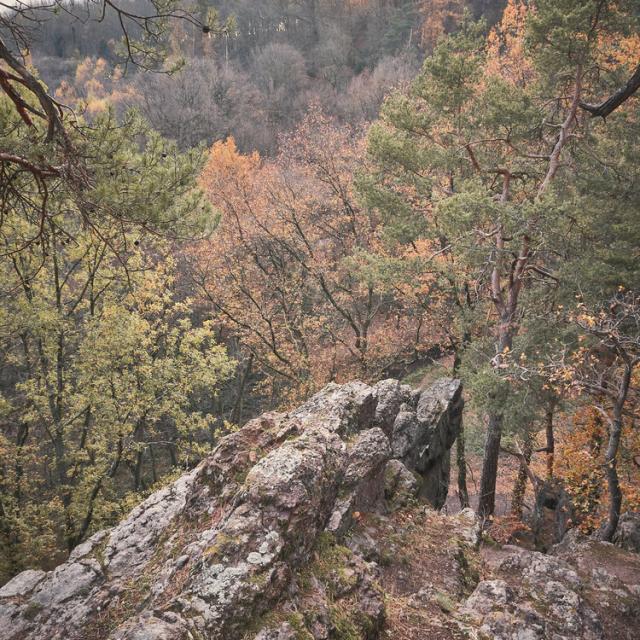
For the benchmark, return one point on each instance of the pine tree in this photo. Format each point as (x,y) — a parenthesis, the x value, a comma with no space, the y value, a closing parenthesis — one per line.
(482,156)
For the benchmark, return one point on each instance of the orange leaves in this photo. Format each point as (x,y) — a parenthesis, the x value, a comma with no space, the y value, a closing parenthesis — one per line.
(580,448)
(579,445)
(505,528)
(294,269)
(506,52)
(96,87)
(440,17)
(614,51)
(227,163)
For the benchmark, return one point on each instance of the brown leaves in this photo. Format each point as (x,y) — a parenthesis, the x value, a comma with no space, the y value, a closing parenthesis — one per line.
(290,270)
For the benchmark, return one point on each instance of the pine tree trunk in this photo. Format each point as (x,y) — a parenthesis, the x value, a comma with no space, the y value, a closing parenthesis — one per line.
(486,503)
(550,447)
(613,482)
(461,460)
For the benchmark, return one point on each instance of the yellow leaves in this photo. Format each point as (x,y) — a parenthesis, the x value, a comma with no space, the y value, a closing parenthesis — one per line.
(566,375)
(95,87)
(111,363)
(581,438)
(5,406)
(587,320)
(85,70)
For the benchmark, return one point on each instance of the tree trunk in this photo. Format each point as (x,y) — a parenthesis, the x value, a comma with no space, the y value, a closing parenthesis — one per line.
(461,460)
(520,484)
(550,448)
(613,483)
(236,413)
(138,481)
(611,459)
(487,500)
(613,102)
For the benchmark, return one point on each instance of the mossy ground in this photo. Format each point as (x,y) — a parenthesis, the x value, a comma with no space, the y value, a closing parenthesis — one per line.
(426,570)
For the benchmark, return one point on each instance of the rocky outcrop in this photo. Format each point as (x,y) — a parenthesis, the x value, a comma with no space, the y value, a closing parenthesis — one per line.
(315,525)
(627,535)
(544,600)
(421,436)
(584,589)
(237,547)
(400,484)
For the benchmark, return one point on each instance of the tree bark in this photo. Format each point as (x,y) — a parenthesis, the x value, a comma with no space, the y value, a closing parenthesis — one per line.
(461,461)
(613,102)
(236,413)
(550,448)
(613,483)
(461,458)
(611,459)
(520,484)
(487,500)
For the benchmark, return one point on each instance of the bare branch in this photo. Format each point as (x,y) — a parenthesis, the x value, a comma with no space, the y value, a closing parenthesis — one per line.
(607,107)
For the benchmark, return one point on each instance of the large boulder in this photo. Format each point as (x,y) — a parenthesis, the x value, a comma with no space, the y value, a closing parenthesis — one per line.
(422,435)
(627,535)
(532,594)
(256,528)
(584,589)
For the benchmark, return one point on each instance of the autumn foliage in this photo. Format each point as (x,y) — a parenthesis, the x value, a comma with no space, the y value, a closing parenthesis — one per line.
(290,270)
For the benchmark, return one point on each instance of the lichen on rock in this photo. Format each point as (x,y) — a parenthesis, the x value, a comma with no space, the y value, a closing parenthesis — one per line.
(225,544)
(320,524)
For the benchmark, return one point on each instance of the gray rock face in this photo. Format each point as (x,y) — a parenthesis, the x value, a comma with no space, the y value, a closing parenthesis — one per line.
(391,396)
(22,584)
(210,554)
(546,601)
(627,536)
(422,436)
(400,485)
(584,590)
(362,484)
(346,408)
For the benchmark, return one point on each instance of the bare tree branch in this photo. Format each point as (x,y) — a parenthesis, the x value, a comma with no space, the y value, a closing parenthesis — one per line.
(603,109)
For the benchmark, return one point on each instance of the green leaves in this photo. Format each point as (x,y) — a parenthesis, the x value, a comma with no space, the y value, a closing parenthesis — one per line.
(560,34)
(488,168)
(139,178)
(108,368)
(449,76)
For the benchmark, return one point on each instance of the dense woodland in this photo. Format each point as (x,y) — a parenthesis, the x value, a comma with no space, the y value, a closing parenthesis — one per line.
(211,210)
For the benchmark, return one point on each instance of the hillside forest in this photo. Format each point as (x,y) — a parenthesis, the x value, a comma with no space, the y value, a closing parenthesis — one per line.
(213,208)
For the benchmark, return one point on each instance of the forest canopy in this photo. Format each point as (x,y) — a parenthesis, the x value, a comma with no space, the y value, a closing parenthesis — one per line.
(213,209)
